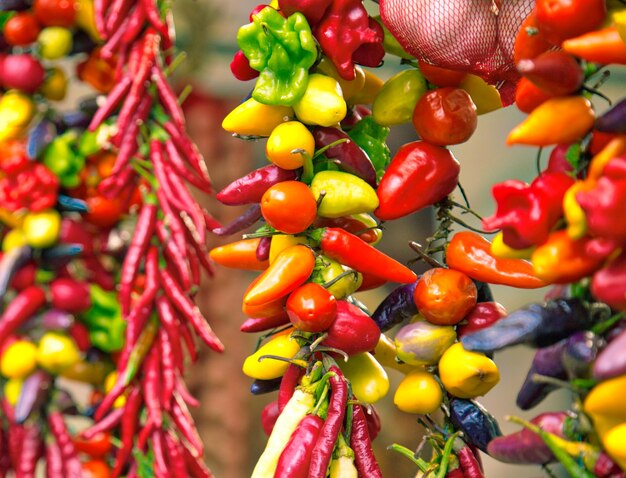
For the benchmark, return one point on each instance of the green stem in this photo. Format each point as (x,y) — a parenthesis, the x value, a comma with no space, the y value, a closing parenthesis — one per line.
(404,451)
(445,457)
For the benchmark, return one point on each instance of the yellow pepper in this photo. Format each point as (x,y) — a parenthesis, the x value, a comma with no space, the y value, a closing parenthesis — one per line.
(396,100)
(57,352)
(485,96)
(55,86)
(280,242)
(87,372)
(16,112)
(322,103)
(85,19)
(19,359)
(419,392)
(500,249)
(367,377)
(14,238)
(252,118)
(385,354)
(614,441)
(371,88)
(348,88)
(557,120)
(12,390)
(606,399)
(266,369)
(344,194)
(41,229)
(331,269)
(287,138)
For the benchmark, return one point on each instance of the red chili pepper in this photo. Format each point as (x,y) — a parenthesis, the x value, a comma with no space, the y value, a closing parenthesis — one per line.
(357,254)
(71,464)
(188,150)
(100,7)
(185,395)
(106,424)
(97,447)
(296,456)
(152,12)
(54,460)
(174,222)
(241,69)
(184,305)
(419,175)
(116,15)
(113,99)
(132,407)
(158,447)
(137,250)
(323,449)
(128,136)
(288,384)
(150,384)
(261,324)
(172,255)
(176,458)
(114,41)
(170,328)
(360,442)
(20,309)
(469,464)
(168,368)
(183,421)
(352,331)
(31,449)
(136,23)
(195,465)
(168,98)
(178,165)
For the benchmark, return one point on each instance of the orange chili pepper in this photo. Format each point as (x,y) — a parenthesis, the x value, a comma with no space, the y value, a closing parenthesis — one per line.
(291,268)
(601,46)
(239,255)
(470,253)
(556,120)
(528,96)
(561,259)
(269,309)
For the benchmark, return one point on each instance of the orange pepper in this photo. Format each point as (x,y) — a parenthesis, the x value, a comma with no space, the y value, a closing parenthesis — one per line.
(239,255)
(269,309)
(470,253)
(557,120)
(601,46)
(291,268)
(561,259)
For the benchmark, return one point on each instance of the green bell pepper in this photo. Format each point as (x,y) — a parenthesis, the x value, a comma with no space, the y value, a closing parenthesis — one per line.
(282,50)
(104,320)
(61,158)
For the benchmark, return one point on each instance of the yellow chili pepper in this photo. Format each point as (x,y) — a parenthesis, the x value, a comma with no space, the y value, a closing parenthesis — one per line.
(252,118)
(322,103)
(344,194)
(266,369)
(486,97)
(42,229)
(19,359)
(606,399)
(500,249)
(557,120)
(367,377)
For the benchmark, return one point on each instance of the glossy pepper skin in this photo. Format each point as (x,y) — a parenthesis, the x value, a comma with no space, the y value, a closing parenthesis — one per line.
(359,255)
(295,459)
(292,267)
(419,175)
(397,307)
(479,427)
(527,213)
(609,283)
(344,194)
(346,28)
(372,138)
(470,253)
(282,50)
(546,362)
(348,155)
(251,187)
(534,325)
(555,72)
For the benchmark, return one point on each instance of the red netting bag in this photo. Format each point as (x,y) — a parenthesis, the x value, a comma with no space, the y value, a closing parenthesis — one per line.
(476,36)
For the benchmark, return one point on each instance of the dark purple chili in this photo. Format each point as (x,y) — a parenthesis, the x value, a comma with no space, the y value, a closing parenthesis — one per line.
(251,187)
(261,387)
(479,427)
(323,449)
(348,155)
(263,249)
(547,362)
(360,442)
(397,307)
(247,219)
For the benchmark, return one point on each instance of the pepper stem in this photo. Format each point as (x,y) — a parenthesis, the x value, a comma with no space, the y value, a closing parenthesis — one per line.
(307,165)
(334,280)
(417,247)
(404,451)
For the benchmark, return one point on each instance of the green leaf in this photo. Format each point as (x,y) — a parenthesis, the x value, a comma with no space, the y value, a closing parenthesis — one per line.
(573,155)
(372,138)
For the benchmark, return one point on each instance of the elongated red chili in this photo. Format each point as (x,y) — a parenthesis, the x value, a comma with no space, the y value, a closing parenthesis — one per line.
(467,460)
(323,449)
(288,385)
(195,465)
(31,449)
(158,447)
(128,430)
(185,394)
(357,254)
(99,7)
(170,328)
(128,139)
(190,343)
(150,384)
(261,324)
(176,459)
(189,310)
(113,99)
(116,14)
(168,368)
(172,255)
(296,456)
(137,250)
(54,460)
(187,149)
(71,464)
(106,424)
(360,442)
(20,309)
(114,41)
(178,164)
(183,421)
(168,98)
(150,7)
(144,434)
(136,22)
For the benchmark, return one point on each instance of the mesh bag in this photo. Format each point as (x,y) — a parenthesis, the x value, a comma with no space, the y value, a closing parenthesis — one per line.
(475,36)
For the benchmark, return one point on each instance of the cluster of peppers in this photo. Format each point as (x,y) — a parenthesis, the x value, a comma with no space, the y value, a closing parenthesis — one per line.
(103,248)
(450,325)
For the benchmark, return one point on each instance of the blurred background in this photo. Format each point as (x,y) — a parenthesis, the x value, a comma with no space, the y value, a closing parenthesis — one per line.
(229,417)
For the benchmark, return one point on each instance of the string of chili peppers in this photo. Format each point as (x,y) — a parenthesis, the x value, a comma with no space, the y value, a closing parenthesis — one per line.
(321,182)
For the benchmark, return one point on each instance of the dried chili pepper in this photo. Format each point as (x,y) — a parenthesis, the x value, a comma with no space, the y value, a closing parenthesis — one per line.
(361,444)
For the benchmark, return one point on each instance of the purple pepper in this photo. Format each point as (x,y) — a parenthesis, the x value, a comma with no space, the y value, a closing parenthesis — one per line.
(247,219)
(251,187)
(611,362)
(614,120)
(396,307)
(547,362)
(263,249)
(348,155)
(34,394)
(479,427)
(580,352)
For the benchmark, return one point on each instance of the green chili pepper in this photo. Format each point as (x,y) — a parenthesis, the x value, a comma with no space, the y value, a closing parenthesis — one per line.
(282,50)
(372,138)
(395,102)
(104,320)
(343,194)
(60,158)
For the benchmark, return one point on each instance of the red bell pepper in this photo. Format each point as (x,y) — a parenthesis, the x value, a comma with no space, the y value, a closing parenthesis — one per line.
(419,175)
